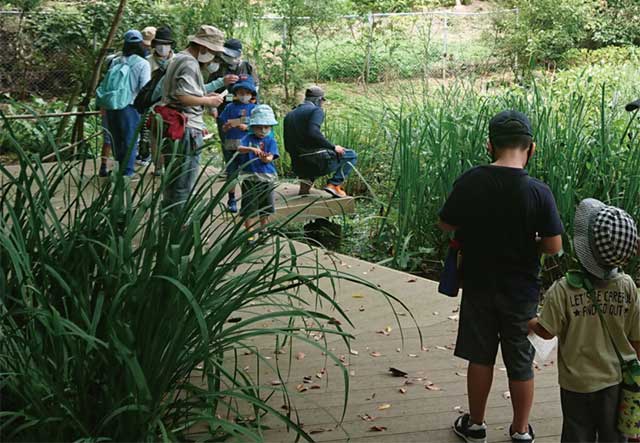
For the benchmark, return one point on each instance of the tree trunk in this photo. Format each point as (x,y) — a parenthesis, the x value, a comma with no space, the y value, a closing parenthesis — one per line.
(95,76)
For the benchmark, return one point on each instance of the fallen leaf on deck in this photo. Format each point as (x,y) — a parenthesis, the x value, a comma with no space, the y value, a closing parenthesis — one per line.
(361,309)
(378,428)
(352,373)
(307,379)
(506,395)
(200,365)
(435,313)
(425,349)
(234,320)
(314,387)
(372,396)
(342,358)
(285,407)
(461,374)
(430,386)
(376,354)
(413,355)
(366,417)
(319,375)
(499,428)
(397,372)
(402,390)
(442,348)
(398,350)
(247,353)
(334,321)
(276,383)
(319,430)
(300,356)
(412,280)
(246,368)
(358,296)
(458,409)
(301,388)
(450,347)
(383,407)
(353,352)
(453,317)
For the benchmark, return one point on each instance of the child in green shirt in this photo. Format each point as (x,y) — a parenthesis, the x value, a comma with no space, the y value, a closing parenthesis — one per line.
(605,237)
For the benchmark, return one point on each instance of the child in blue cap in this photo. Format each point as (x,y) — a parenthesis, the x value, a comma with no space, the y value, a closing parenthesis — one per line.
(234,122)
(257,152)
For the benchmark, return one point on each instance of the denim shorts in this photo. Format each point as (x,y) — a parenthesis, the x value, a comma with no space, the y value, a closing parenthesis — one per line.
(489,319)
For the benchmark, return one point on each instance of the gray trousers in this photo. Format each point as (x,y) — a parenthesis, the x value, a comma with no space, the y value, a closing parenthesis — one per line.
(591,417)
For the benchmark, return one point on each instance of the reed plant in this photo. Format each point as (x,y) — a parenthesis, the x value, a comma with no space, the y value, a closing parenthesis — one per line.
(118,323)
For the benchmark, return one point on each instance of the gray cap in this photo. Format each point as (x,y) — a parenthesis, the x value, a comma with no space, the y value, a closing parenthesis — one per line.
(314,92)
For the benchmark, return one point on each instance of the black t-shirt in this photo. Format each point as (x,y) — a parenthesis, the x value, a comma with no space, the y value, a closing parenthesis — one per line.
(302,130)
(499,211)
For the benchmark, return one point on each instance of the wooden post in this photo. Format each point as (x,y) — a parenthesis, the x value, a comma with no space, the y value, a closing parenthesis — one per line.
(444,45)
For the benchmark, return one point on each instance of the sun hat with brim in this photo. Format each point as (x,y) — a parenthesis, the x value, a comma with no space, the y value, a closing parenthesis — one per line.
(262,115)
(210,37)
(247,84)
(164,36)
(233,48)
(132,36)
(604,237)
(148,34)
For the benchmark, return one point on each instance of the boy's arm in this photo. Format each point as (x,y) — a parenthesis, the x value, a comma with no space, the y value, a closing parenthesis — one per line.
(636,346)
(550,245)
(248,149)
(539,330)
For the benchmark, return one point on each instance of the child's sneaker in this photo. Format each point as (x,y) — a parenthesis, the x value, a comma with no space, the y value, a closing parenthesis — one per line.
(232,205)
(104,172)
(470,432)
(527,437)
(144,162)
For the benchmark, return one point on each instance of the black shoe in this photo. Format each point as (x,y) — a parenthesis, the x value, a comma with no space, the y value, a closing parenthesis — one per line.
(104,172)
(527,437)
(470,432)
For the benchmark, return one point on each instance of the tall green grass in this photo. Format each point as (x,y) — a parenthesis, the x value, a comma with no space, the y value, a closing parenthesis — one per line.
(115,321)
(588,146)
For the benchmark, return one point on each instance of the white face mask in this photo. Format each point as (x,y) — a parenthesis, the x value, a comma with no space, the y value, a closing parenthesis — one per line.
(205,57)
(163,50)
(213,67)
(261,132)
(243,98)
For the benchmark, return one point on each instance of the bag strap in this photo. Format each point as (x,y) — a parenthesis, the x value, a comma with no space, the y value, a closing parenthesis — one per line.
(586,284)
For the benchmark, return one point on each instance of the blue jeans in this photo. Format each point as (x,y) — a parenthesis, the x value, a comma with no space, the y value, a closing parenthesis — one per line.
(184,166)
(342,166)
(123,124)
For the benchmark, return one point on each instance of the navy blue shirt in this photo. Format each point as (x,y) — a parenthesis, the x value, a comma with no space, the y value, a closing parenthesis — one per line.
(233,111)
(499,211)
(250,163)
(302,130)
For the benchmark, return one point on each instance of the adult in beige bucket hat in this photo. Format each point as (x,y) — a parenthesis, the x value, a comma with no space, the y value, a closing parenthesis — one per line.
(211,38)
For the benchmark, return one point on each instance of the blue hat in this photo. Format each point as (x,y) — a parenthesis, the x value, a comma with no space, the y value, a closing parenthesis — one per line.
(247,84)
(262,115)
(132,36)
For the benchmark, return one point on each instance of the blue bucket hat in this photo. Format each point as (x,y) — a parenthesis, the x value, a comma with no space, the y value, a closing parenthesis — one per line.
(247,84)
(262,115)
(133,36)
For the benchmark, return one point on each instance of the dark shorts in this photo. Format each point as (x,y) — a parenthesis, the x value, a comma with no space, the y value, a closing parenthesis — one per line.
(591,417)
(257,198)
(491,319)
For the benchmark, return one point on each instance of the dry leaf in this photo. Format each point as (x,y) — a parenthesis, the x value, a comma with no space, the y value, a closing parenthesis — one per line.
(352,373)
(425,349)
(413,355)
(366,417)
(372,396)
(459,409)
(353,352)
(402,390)
(342,358)
(378,428)
(506,395)
(442,348)
(435,313)
(398,349)
(430,386)
(461,374)
(234,320)
(276,383)
(301,388)
(314,387)
(319,375)
(246,368)
(307,379)
(300,356)
(334,321)
(384,406)
(319,430)
(454,317)
(412,280)
(397,372)
(450,347)
(358,296)
(361,309)
(376,354)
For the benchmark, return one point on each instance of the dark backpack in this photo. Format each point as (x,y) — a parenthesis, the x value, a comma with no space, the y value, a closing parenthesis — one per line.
(144,100)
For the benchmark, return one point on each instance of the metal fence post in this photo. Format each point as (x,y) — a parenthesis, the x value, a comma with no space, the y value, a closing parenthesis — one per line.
(444,45)
(368,71)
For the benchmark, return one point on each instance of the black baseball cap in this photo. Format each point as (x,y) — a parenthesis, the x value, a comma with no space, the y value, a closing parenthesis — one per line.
(233,47)
(509,123)
(314,92)
(632,106)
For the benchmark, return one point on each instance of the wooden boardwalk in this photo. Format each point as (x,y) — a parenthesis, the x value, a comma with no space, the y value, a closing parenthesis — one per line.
(405,407)
(419,408)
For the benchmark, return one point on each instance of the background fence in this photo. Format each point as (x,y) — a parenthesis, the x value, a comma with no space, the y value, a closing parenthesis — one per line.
(377,47)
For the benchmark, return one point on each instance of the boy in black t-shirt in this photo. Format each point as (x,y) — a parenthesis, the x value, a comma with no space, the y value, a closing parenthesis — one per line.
(504,220)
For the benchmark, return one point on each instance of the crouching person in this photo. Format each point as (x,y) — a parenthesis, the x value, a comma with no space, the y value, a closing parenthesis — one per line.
(257,152)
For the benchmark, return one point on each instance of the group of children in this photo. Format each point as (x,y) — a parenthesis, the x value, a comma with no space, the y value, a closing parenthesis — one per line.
(504,220)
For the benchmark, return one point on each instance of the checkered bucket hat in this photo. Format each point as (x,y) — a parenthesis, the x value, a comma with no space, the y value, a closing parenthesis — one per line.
(605,237)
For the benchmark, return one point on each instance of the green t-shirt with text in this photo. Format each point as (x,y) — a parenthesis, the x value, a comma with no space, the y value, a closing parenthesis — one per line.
(586,359)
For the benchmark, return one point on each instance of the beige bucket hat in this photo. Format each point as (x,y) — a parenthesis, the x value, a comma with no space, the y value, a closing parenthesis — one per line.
(148,34)
(210,37)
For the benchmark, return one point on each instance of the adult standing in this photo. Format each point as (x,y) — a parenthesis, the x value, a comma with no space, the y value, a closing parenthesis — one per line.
(184,90)
(123,122)
(312,155)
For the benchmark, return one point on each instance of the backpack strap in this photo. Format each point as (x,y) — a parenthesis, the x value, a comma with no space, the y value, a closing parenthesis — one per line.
(578,279)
